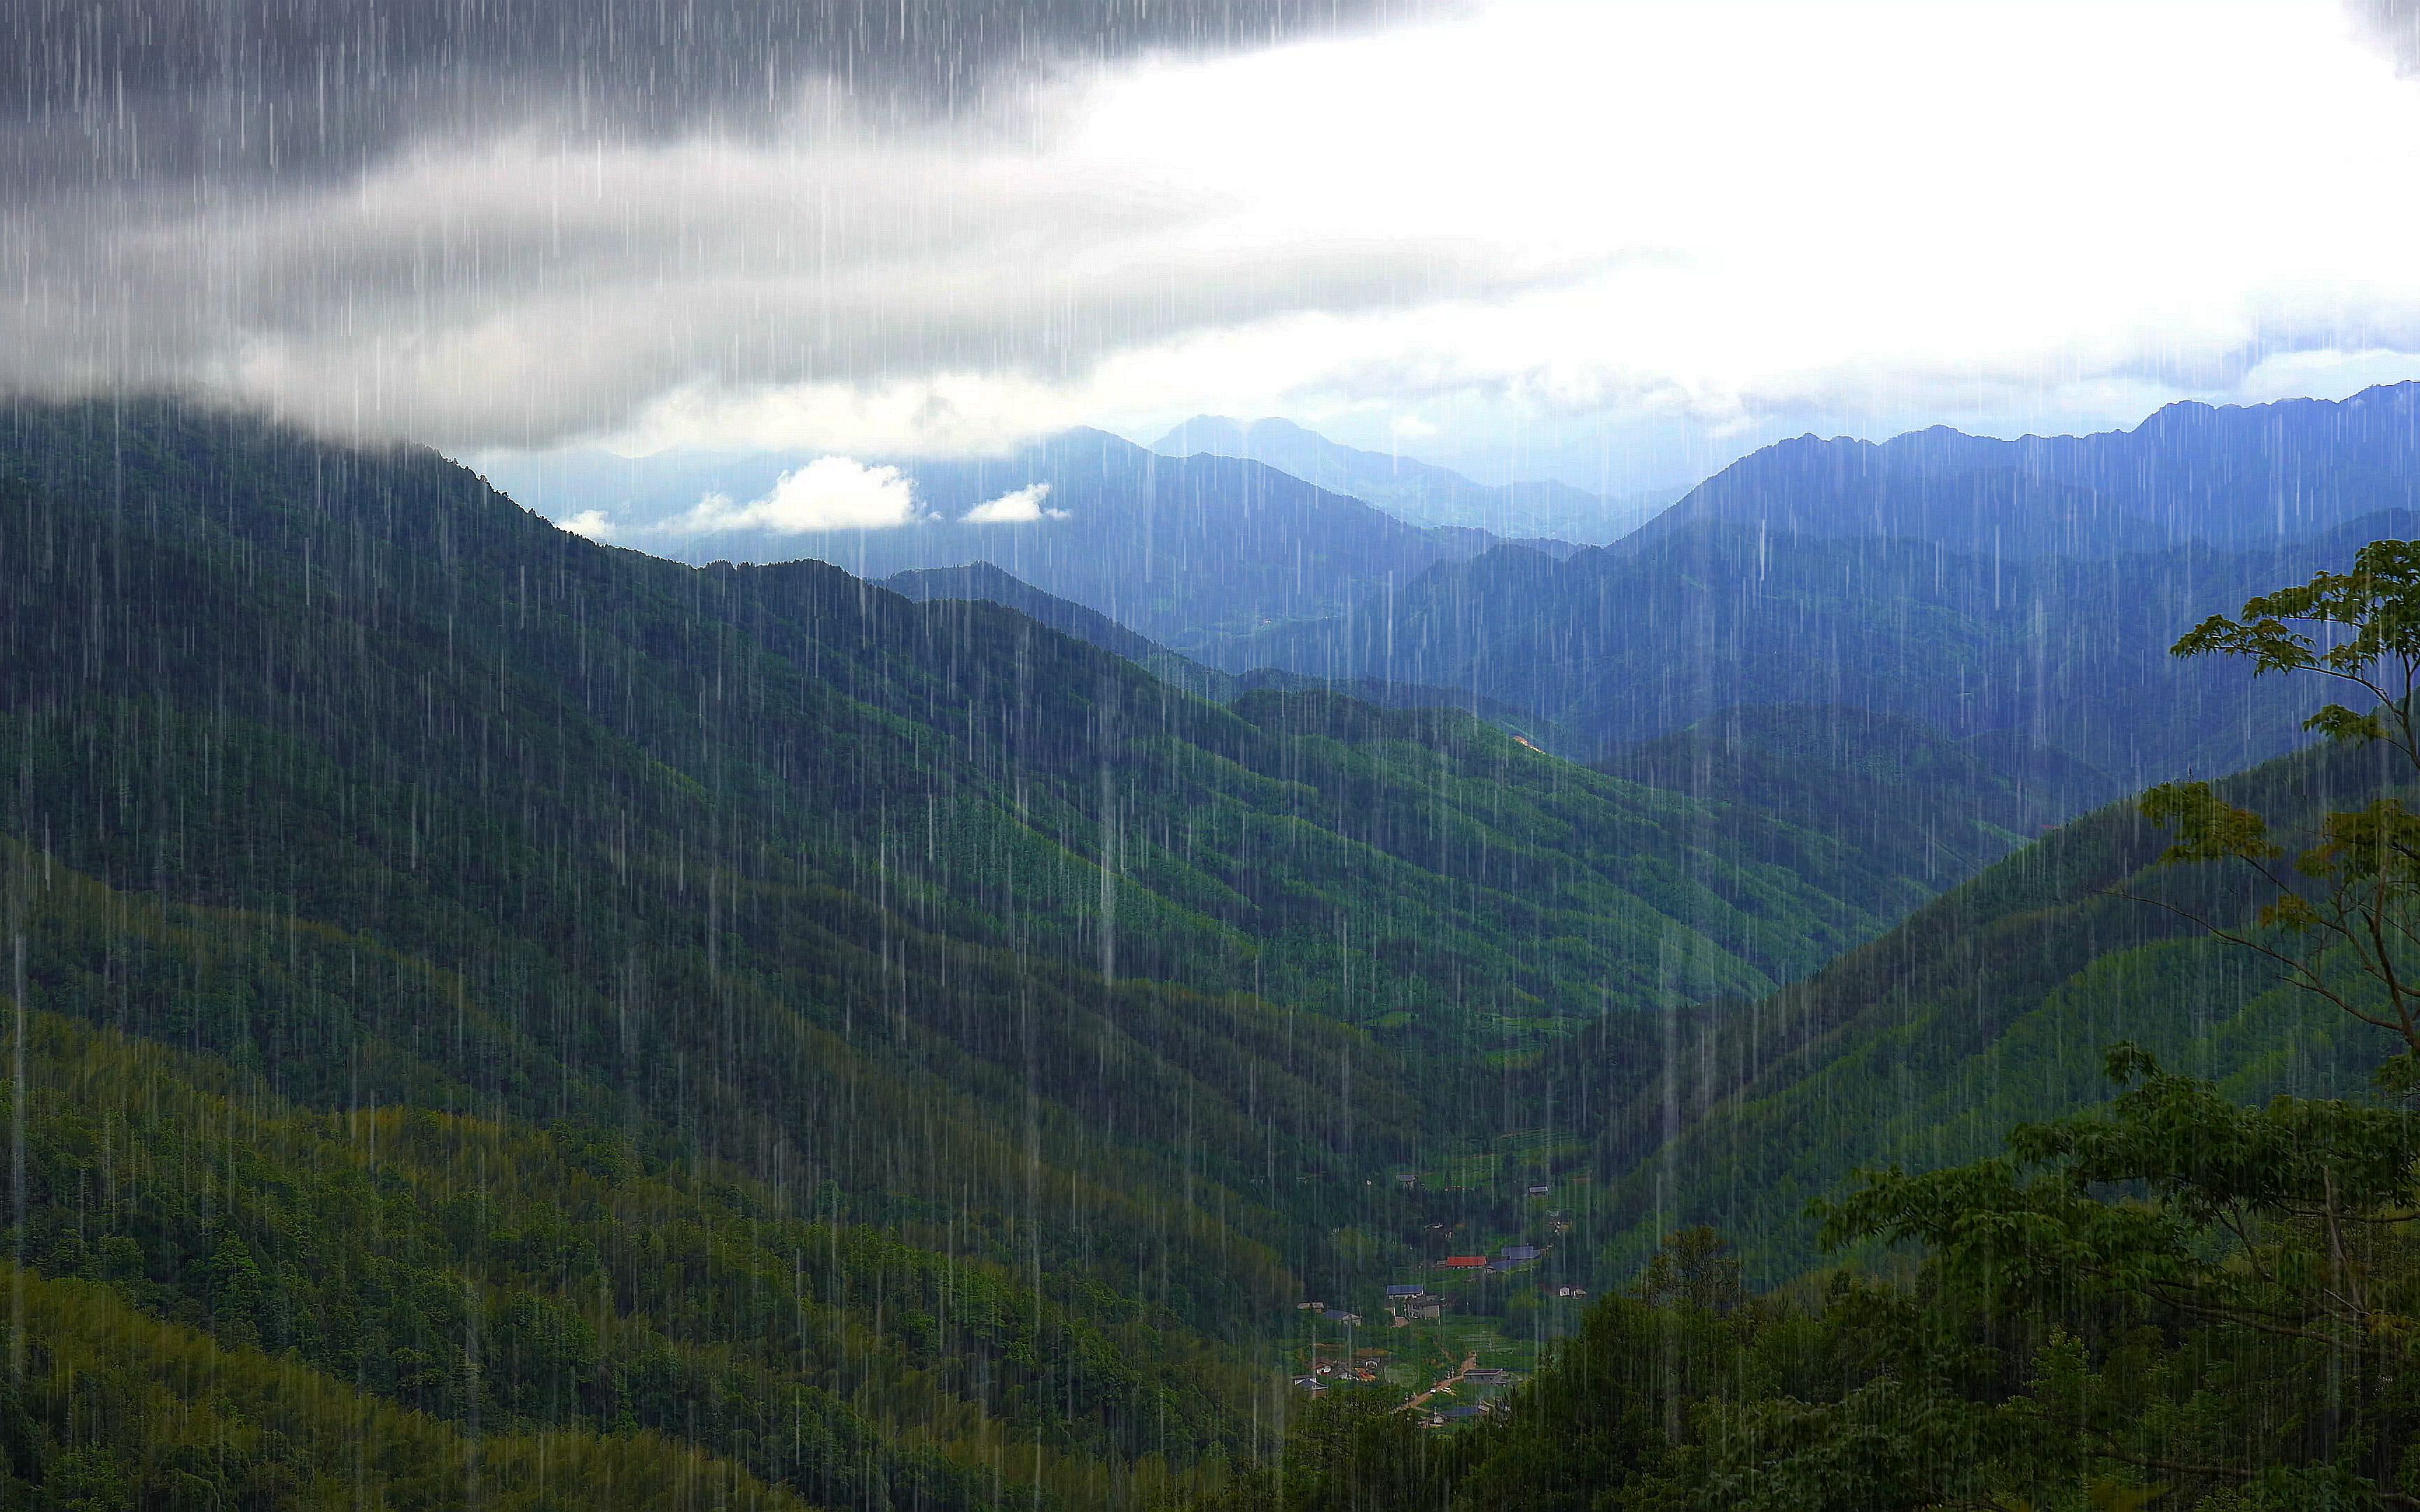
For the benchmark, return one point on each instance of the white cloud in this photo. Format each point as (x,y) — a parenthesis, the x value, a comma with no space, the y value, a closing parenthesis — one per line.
(591,523)
(1017,507)
(1721,220)
(1719,215)
(831,493)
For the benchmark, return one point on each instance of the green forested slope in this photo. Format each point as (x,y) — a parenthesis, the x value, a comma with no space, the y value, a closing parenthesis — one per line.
(1987,1008)
(484,971)
(1897,792)
(2114,1150)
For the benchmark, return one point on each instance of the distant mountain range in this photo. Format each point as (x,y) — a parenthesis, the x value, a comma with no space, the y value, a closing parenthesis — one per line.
(1194,553)
(2237,476)
(2025,589)
(1621,646)
(981,583)
(1537,513)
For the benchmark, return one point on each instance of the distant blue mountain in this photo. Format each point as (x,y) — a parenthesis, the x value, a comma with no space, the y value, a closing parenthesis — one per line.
(2024,589)
(2235,476)
(1620,646)
(1420,492)
(982,582)
(1193,552)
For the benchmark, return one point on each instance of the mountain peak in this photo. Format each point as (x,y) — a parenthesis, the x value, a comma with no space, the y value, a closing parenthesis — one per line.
(1203,433)
(2228,475)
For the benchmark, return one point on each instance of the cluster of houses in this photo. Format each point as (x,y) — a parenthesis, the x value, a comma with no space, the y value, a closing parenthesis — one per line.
(1511,1257)
(1361,1370)
(1454,1414)
(1414,1303)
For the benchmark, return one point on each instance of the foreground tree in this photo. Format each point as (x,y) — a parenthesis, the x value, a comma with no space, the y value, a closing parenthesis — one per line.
(2222,1299)
(2344,923)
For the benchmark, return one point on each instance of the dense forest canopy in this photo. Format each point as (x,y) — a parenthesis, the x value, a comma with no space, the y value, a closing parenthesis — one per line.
(893,1049)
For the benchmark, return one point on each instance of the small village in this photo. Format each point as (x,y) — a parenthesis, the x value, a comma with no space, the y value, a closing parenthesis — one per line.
(1439,1340)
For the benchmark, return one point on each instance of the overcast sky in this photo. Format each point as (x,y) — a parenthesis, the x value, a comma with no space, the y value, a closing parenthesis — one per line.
(1506,233)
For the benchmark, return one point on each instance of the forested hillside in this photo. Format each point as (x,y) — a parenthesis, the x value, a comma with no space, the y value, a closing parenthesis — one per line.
(1895,790)
(2090,1187)
(526,987)
(1990,1006)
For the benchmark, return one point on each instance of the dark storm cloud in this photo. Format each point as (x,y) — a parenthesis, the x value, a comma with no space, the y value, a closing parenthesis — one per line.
(516,292)
(117,90)
(513,221)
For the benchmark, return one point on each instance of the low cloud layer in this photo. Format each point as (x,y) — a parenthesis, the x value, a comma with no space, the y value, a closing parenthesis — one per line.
(1020,507)
(519,293)
(484,224)
(831,493)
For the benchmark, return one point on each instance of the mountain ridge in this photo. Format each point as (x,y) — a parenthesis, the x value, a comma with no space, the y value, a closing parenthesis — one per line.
(1192,552)
(1638,639)
(1420,492)
(2229,476)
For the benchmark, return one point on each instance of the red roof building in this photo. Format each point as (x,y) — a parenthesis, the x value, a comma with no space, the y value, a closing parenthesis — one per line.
(1464,1262)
